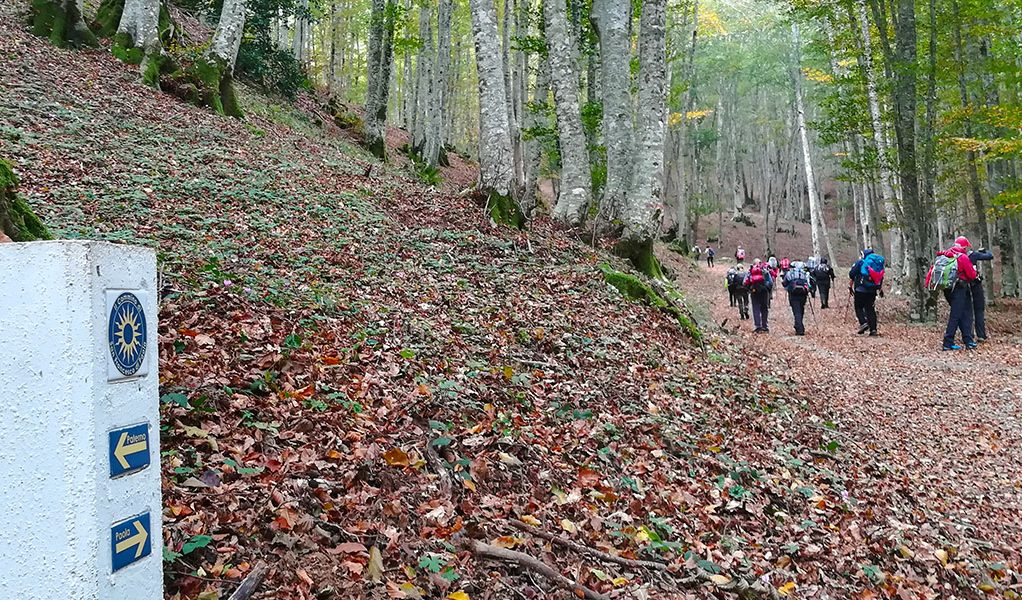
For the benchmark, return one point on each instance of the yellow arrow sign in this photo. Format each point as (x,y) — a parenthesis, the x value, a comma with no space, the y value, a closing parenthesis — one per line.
(136,540)
(123,449)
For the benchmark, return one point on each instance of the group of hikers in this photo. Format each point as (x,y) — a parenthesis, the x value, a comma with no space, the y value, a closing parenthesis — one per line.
(954,273)
(755,288)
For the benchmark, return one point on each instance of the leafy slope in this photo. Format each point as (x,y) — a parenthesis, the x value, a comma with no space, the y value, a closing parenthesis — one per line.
(358,373)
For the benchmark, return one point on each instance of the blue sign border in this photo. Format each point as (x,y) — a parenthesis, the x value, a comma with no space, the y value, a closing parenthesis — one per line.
(127,334)
(124,450)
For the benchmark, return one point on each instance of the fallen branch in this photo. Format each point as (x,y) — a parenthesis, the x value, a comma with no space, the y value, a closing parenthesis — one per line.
(563,541)
(250,582)
(484,550)
(438,464)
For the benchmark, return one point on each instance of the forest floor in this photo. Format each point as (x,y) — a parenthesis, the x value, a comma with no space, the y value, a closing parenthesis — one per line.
(361,375)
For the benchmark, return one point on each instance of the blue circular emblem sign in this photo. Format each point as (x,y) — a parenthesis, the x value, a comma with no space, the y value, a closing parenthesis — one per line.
(127,334)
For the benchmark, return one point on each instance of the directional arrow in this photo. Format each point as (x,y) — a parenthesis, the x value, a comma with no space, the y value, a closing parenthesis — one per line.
(123,450)
(136,540)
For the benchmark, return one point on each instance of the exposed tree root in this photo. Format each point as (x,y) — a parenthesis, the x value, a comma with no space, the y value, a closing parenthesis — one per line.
(484,550)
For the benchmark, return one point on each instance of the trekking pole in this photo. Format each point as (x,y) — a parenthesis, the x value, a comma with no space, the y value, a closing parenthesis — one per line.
(812,310)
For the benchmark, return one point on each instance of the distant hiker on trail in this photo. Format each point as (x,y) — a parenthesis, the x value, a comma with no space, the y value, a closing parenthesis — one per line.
(785,265)
(697,251)
(979,301)
(730,289)
(823,277)
(866,280)
(710,253)
(952,273)
(796,281)
(740,254)
(759,282)
(737,291)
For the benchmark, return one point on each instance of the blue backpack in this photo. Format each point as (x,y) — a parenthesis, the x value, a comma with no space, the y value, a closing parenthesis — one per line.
(871,272)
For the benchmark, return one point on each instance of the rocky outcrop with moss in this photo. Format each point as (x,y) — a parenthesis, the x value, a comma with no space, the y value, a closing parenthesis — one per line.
(657,295)
(17,221)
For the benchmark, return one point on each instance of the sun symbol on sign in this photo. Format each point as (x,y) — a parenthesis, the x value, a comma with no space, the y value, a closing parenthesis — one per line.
(127,334)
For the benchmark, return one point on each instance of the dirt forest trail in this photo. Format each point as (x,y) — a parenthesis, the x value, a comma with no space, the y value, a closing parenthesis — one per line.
(950,438)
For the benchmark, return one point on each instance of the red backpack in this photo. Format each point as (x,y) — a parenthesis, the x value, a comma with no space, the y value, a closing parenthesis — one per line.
(755,279)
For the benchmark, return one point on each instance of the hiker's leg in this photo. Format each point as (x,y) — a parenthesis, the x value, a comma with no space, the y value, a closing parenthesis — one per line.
(871,311)
(798,311)
(979,309)
(824,296)
(954,300)
(967,316)
(757,312)
(860,307)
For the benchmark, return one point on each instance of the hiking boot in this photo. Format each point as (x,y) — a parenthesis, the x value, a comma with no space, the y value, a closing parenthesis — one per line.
(951,347)
(800,333)
(863,328)
(874,334)
(971,346)
(981,340)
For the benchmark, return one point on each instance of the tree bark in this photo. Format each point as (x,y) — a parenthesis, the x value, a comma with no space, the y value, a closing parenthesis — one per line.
(641,216)
(807,159)
(496,164)
(612,18)
(438,88)
(535,117)
(576,182)
(62,22)
(381,47)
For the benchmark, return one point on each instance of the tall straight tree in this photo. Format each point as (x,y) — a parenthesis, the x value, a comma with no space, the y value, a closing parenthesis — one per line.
(496,164)
(612,19)
(576,183)
(807,157)
(223,53)
(381,54)
(641,215)
(438,97)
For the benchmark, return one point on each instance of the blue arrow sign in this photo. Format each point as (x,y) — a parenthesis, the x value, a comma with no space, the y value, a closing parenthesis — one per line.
(130,541)
(129,449)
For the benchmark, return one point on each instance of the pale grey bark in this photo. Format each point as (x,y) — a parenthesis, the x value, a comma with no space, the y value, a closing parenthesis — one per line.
(227,37)
(496,163)
(642,211)
(434,138)
(535,118)
(381,35)
(879,137)
(301,37)
(141,21)
(576,183)
(612,19)
(423,79)
(807,159)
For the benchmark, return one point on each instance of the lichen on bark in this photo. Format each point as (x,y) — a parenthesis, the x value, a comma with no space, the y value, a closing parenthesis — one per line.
(61,21)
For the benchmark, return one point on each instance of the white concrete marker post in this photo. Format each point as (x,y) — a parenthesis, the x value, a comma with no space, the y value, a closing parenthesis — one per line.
(80,502)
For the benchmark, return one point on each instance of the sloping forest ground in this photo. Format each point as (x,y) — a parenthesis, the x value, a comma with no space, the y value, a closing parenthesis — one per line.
(358,374)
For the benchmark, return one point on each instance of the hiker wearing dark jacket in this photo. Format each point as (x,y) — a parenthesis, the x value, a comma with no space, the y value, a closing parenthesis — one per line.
(979,301)
(959,297)
(796,283)
(741,293)
(824,276)
(759,282)
(865,292)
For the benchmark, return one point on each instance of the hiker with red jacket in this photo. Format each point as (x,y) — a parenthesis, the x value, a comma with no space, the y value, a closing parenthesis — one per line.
(959,297)
(865,281)
(785,265)
(759,282)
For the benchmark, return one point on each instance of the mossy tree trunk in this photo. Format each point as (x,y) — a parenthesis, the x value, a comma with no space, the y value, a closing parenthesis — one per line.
(62,22)
(17,221)
(135,28)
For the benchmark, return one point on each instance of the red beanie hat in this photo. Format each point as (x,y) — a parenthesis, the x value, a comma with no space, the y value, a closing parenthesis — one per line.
(962,241)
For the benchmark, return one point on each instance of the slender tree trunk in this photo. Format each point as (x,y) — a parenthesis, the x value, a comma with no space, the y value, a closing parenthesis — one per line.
(496,164)
(642,213)
(612,18)
(438,97)
(381,36)
(423,80)
(576,183)
(535,117)
(807,160)
(897,254)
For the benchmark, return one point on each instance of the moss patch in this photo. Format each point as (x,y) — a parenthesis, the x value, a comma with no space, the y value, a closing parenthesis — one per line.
(203,81)
(505,211)
(17,220)
(61,22)
(108,18)
(124,49)
(641,255)
(636,289)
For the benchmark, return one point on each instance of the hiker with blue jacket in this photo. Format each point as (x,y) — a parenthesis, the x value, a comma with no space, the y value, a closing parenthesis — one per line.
(866,280)
(797,282)
(979,301)
(759,282)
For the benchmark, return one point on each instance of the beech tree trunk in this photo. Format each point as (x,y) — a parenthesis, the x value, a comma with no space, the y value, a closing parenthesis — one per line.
(381,53)
(62,22)
(139,29)
(535,117)
(496,164)
(438,88)
(576,182)
(612,19)
(642,212)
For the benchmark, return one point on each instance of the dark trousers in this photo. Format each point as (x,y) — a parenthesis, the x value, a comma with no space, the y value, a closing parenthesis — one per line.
(709,261)
(960,318)
(760,308)
(798,310)
(742,299)
(824,295)
(731,296)
(866,309)
(979,309)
